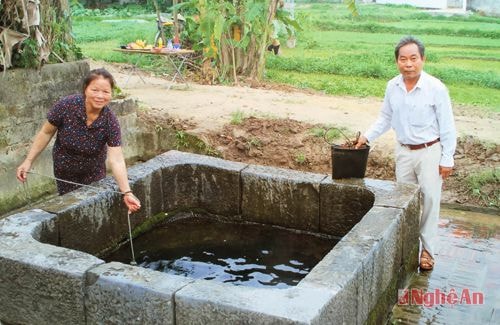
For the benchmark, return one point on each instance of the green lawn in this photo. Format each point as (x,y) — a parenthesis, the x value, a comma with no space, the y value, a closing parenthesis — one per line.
(339,54)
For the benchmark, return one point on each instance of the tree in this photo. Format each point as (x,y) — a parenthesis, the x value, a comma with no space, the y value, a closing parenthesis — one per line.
(233,34)
(43,29)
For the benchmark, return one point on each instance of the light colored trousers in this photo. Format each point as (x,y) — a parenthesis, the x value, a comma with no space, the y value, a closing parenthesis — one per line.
(422,167)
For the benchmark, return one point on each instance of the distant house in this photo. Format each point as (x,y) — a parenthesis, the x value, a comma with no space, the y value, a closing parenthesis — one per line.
(433,4)
(489,7)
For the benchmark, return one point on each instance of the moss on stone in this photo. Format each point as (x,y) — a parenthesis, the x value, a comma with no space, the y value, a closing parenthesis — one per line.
(19,198)
(151,222)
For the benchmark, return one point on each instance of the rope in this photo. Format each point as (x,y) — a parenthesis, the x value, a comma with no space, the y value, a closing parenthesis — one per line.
(27,195)
(133,262)
(74,183)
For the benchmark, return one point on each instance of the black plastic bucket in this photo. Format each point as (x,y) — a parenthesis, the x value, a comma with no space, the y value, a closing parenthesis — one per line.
(349,162)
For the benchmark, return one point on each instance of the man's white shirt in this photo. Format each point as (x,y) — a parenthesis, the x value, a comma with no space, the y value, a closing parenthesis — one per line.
(419,116)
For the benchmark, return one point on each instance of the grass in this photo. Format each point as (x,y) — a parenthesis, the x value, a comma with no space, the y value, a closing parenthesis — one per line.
(253,142)
(330,84)
(300,158)
(181,140)
(478,181)
(328,133)
(237,117)
(341,55)
(119,30)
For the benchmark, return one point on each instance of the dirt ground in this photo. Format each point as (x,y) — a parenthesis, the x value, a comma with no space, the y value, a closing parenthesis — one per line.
(279,124)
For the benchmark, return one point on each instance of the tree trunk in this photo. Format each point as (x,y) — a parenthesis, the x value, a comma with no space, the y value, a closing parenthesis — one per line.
(251,64)
(259,69)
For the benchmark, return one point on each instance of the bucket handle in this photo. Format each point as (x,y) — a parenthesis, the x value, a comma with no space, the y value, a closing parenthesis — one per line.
(348,141)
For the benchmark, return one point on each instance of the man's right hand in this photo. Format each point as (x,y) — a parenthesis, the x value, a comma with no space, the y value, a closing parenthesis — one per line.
(22,170)
(361,141)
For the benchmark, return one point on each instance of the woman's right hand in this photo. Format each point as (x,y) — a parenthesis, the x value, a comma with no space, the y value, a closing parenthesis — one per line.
(132,202)
(22,170)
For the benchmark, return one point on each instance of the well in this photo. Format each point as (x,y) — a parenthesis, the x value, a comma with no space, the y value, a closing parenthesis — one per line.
(49,274)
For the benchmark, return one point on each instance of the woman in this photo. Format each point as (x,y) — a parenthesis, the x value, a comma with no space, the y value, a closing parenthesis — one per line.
(87,130)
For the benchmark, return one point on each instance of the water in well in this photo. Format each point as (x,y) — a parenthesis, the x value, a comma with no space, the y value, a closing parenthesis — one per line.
(239,253)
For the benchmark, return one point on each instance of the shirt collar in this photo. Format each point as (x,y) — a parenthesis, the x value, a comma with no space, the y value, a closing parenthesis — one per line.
(420,83)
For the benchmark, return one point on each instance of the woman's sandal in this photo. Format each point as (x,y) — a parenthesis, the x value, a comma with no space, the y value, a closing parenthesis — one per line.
(426,261)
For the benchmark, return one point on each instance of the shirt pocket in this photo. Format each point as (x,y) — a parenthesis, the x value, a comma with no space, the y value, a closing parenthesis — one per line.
(422,115)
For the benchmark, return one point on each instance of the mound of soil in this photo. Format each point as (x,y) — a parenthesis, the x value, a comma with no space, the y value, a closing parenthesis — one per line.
(292,144)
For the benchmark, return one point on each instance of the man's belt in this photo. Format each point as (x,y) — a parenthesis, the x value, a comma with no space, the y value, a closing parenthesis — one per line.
(420,146)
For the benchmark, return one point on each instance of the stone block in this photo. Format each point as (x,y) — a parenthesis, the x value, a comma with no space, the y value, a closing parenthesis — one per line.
(89,220)
(199,182)
(47,231)
(122,294)
(281,197)
(340,272)
(388,258)
(410,235)
(376,236)
(205,302)
(146,182)
(343,205)
(123,107)
(360,267)
(39,283)
(391,194)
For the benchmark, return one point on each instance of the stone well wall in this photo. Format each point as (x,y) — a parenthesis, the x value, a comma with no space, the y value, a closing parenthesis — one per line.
(48,277)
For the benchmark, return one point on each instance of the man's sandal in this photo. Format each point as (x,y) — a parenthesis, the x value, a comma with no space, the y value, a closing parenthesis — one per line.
(426,261)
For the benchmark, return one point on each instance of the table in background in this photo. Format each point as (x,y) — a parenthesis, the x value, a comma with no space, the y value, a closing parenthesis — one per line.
(176,59)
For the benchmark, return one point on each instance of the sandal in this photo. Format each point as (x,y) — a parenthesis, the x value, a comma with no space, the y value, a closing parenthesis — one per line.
(426,261)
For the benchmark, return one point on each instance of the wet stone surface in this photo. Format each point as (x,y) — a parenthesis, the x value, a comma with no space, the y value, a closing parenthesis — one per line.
(467,264)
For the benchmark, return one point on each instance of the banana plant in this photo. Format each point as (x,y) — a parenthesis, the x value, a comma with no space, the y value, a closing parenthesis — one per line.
(212,31)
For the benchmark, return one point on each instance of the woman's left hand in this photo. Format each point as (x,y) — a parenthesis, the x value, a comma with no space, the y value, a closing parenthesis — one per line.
(132,202)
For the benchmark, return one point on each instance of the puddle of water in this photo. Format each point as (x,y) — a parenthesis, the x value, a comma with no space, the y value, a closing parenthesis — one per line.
(238,253)
(467,264)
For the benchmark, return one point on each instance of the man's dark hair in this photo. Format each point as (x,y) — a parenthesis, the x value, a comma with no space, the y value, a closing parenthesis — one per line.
(96,73)
(410,40)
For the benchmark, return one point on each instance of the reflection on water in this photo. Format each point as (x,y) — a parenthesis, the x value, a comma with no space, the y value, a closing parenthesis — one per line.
(467,260)
(241,254)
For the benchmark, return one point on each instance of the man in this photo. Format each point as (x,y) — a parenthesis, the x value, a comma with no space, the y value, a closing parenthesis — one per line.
(277,26)
(417,106)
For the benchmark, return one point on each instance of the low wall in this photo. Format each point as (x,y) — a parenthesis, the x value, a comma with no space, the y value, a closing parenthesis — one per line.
(25,97)
(489,7)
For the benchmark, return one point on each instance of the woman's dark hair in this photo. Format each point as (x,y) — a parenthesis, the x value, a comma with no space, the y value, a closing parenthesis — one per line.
(96,73)
(410,40)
